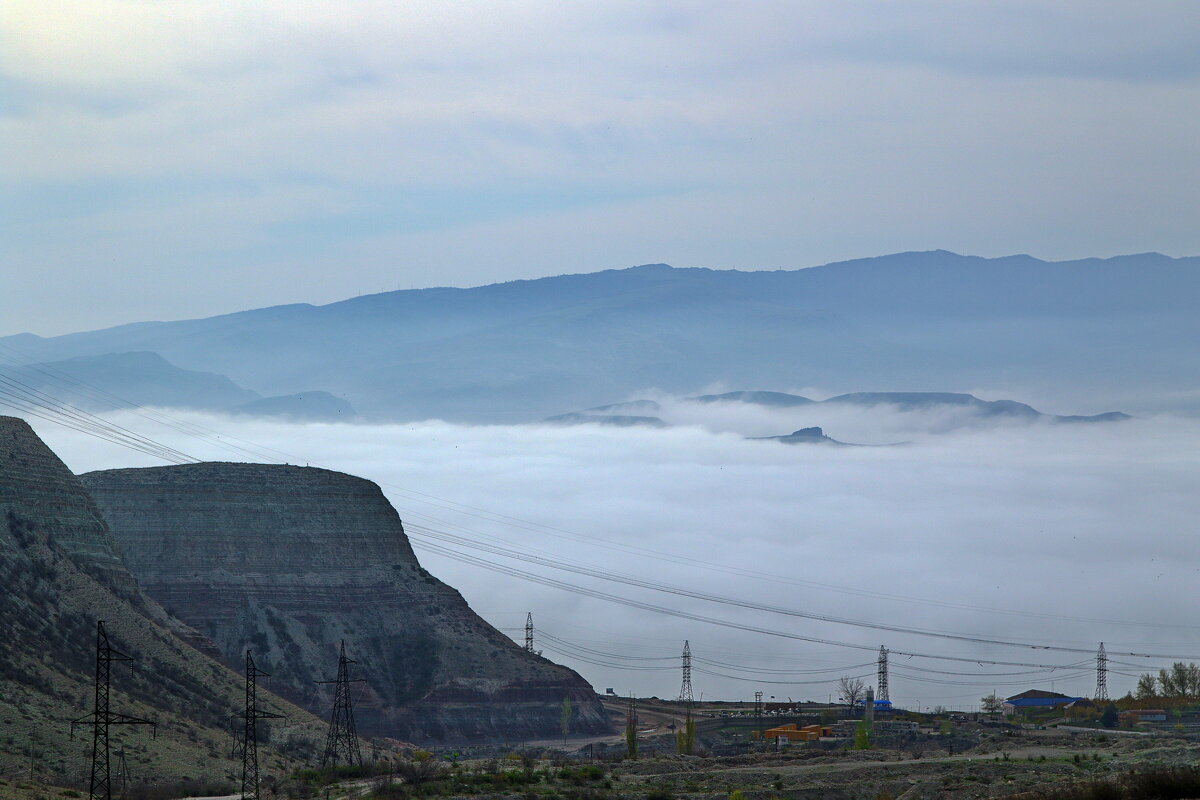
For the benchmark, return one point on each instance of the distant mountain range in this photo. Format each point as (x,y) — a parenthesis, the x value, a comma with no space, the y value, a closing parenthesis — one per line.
(1092,333)
(623,414)
(123,380)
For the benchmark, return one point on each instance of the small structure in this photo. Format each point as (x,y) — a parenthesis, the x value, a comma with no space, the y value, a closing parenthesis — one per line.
(1138,715)
(786,734)
(1035,699)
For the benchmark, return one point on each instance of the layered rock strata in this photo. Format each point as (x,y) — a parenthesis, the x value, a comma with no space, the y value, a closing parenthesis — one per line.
(60,571)
(36,485)
(292,560)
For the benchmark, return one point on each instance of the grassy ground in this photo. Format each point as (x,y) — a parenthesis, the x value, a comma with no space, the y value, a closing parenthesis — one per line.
(1060,767)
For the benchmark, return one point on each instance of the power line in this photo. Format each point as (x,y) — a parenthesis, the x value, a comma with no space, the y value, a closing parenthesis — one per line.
(507,552)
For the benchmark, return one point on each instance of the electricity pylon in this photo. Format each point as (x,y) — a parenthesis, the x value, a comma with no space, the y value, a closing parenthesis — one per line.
(342,740)
(882,676)
(248,745)
(685,690)
(100,787)
(1101,673)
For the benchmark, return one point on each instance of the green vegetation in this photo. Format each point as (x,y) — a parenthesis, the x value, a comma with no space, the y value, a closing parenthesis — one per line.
(1181,681)
(420,778)
(862,735)
(564,717)
(685,737)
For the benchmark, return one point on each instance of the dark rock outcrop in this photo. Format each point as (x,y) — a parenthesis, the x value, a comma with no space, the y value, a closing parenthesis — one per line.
(812,435)
(291,560)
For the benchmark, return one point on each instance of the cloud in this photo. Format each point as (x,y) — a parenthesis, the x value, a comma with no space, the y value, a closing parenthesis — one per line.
(1094,523)
(307,151)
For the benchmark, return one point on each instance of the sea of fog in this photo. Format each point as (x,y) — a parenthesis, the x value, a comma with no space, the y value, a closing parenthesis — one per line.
(1045,534)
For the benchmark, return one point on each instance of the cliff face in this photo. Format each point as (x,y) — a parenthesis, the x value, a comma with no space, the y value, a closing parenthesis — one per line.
(291,560)
(60,572)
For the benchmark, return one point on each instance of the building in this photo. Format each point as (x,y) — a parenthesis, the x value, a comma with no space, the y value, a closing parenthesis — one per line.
(1144,715)
(786,734)
(1035,700)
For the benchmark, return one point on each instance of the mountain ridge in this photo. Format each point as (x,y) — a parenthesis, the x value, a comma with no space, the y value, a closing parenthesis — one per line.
(520,350)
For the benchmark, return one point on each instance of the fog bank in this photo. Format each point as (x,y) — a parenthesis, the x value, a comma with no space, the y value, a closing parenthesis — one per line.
(1093,522)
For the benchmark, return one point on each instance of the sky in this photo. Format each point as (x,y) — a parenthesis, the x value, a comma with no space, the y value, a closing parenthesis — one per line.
(175,159)
(1062,535)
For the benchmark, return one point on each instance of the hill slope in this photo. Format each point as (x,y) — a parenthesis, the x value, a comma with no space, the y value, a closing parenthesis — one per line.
(295,559)
(61,571)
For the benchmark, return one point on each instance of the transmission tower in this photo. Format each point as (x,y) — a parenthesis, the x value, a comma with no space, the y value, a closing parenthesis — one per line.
(122,769)
(341,743)
(685,691)
(529,632)
(882,678)
(102,717)
(758,712)
(1101,673)
(248,743)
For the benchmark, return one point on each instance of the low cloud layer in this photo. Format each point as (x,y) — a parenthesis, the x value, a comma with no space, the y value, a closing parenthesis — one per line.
(1095,523)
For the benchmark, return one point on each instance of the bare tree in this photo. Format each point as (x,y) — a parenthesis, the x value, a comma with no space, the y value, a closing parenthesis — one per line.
(992,704)
(851,690)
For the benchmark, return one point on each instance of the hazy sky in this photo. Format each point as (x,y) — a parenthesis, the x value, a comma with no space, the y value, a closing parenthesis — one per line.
(1067,535)
(168,159)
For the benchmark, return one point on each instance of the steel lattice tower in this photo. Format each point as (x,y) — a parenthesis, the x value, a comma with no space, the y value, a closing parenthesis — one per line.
(882,678)
(102,717)
(529,632)
(685,690)
(122,769)
(341,743)
(1101,673)
(249,740)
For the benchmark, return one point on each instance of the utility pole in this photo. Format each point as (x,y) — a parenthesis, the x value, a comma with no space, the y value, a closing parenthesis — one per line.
(758,712)
(1101,673)
(249,740)
(882,677)
(342,740)
(100,787)
(631,723)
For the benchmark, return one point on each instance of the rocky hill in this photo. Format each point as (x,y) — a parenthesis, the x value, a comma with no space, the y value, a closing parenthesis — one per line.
(291,560)
(61,570)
